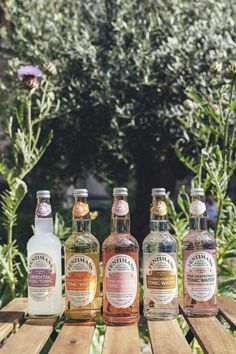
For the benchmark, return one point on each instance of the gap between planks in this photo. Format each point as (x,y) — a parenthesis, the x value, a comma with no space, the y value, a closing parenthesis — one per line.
(11,315)
(228,309)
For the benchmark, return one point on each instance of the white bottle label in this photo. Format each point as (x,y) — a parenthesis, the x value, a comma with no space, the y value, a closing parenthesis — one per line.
(41,276)
(81,280)
(200,275)
(160,278)
(121,281)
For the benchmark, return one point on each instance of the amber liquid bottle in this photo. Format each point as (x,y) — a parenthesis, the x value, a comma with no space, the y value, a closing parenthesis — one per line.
(199,262)
(120,266)
(82,264)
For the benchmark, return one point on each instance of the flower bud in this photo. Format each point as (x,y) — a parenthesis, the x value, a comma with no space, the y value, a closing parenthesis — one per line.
(188,105)
(230,71)
(50,68)
(216,68)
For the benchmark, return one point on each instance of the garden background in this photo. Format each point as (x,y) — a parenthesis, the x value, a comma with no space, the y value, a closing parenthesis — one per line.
(134,93)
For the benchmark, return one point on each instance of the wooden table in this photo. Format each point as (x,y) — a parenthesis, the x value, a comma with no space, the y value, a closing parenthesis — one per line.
(29,336)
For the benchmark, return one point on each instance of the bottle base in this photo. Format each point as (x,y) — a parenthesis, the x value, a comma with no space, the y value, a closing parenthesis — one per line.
(197,312)
(161,316)
(82,316)
(31,315)
(120,321)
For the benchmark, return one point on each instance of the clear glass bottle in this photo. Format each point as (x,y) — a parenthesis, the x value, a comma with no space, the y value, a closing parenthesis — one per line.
(199,262)
(44,263)
(120,266)
(82,264)
(160,269)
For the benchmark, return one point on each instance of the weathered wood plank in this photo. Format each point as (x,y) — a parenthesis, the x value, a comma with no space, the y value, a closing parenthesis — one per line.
(74,338)
(228,309)
(11,315)
(121,339)
(211,335)
(31,337)
(167,337)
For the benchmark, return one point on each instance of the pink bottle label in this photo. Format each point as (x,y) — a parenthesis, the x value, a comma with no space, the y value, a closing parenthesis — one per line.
(121,281)
(200,275)
(120,207)
(43,209)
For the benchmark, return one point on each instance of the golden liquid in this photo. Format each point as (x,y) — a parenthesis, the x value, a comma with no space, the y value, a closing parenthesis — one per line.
(83,245)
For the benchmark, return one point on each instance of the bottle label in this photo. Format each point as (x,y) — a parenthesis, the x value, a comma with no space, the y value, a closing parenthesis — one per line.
(121,281)
(197,207)
(81,280)
(120,207)
(200,276)
(80,209)
(43,209)
(159,209)
(160,278)
(41,276)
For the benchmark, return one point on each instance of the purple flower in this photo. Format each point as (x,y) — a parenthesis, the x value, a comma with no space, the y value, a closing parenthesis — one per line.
(29,71)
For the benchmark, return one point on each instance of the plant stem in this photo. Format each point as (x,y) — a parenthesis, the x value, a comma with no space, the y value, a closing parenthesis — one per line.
(225,138)
(29,119)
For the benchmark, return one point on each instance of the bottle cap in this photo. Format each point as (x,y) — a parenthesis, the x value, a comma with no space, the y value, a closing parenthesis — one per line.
(161,192)
(199,192)
(120,191)
(80,193)
(43,194)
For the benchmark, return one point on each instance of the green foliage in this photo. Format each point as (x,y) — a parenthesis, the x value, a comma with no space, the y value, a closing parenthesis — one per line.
(26,145)
(123,64)
(209,133)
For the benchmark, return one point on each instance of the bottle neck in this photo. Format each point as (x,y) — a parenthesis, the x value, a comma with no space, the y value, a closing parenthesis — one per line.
(120,220)
(198,223)
(159,217)
(81,221)
(198,215)
(43,216)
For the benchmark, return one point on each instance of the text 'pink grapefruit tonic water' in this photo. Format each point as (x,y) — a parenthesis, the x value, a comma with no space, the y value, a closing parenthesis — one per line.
(199,262)
(120,266)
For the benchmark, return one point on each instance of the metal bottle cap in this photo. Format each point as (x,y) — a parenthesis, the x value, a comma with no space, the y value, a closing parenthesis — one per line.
(80,193)
(120,191)
(158,192)
(199,192)
(43,194)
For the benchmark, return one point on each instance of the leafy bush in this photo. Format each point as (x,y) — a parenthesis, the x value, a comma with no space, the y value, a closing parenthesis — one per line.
(27,143)
(209,133)
(123,65)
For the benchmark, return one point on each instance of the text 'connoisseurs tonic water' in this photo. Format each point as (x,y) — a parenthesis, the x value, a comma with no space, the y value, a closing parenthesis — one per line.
(82,264)
(44,263)
(160,270)
(120,266)
(199,262)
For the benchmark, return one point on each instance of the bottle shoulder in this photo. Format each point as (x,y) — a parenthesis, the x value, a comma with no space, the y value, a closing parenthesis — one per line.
(83,240)
(120,242)
(157,241)
(198,239)
(48,238)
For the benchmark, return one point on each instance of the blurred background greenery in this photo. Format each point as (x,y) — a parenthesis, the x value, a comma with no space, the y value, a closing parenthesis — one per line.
(124,69)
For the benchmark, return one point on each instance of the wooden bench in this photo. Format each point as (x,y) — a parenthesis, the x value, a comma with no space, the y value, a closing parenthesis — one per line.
(29,336)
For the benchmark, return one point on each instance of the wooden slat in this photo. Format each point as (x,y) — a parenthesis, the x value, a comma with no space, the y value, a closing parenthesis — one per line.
(11,315)
(74,338)
(166,337)
(228,309)
(31,337)
(211,335)
(121,339)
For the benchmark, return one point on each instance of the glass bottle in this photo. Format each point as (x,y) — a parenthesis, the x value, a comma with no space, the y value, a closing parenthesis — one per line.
(44,263)
(120,266)
(82,264)
(199,262)
(160,269)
